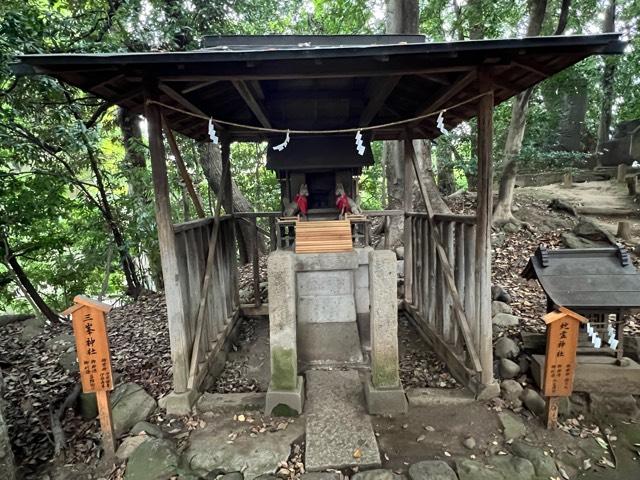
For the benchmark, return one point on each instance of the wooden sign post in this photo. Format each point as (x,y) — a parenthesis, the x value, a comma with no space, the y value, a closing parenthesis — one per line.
(92,347)
(563,327)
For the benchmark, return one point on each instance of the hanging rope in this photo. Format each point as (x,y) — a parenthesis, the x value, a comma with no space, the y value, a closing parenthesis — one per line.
(318,132)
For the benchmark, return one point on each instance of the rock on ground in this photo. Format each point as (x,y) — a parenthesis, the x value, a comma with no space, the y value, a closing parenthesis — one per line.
(431,470)
(500,307)
(506,348)
(513,467)
(510,390)
(533,401)
(259,455)
(473,470)
(544,465)
(129,445)
(611,405)
(147,428)
(500,294)
(512,426)
(377,474)
(509,368)
(154,459)
(130,404)
(505,320)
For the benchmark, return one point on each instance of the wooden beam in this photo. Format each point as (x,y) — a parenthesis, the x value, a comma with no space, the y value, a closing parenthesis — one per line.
(171,93)
(180,347)
(313,73)
(436,78)
(254,105)
(483,228)
(448,92)
(534,67)
(182,169)
(193,88)
(408,225)
(381,90)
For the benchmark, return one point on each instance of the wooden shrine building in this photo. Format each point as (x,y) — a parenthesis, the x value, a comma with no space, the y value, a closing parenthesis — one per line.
(255,89)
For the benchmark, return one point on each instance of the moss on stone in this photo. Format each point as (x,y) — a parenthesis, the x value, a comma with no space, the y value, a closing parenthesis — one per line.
(282,410)
(284,369)
(384,373)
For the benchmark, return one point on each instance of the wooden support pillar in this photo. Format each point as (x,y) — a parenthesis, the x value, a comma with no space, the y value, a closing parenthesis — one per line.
(483,230)
(227,203)
(408,224)
(180,347)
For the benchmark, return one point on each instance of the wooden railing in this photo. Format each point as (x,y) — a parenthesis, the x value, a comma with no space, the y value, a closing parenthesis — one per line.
(447,285)
(206,333)
(440,287)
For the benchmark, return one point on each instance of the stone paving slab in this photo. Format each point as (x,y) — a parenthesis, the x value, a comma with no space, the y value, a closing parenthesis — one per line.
(339,431)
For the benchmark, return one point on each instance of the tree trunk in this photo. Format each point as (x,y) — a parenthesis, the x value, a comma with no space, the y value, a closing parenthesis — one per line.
(134,165)
(502,211)
(11,262)
(211,162)
(608,93)
(402,17)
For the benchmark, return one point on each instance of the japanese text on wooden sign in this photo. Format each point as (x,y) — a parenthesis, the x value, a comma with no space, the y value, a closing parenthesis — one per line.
(560,362)
(92,344)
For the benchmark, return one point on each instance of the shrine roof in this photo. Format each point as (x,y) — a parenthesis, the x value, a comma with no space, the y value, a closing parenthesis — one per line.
(320,82)
(586,278)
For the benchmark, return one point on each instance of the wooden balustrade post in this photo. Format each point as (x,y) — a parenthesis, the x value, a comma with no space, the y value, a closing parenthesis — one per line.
(483,228)
(180,344)
(408,224)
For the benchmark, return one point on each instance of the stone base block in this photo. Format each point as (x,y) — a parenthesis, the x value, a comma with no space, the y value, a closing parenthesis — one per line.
(329,343)
(179,403)
(597,374)
(385,401)
(293,399)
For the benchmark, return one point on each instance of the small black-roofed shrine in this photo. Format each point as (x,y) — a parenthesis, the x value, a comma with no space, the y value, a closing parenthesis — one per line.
(586,279)
(600,283)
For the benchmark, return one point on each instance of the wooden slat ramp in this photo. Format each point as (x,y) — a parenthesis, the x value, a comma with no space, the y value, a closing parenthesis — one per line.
(323,236)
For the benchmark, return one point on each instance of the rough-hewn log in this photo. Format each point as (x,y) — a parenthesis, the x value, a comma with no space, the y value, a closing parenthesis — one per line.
(483,229)
(180,347)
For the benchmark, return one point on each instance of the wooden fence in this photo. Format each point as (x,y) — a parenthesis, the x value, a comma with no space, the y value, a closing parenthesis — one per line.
(206,333)
(440,287)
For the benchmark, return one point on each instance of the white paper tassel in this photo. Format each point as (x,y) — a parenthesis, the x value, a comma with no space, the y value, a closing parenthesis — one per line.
(440,123)
(284,144)
(359,145)
(613,343)
(212,132)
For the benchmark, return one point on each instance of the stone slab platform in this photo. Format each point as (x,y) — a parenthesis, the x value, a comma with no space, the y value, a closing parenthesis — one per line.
(339,431)
(597,374)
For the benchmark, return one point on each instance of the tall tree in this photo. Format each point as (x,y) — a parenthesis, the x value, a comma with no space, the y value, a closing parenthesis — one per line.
(608,93)
(402,17)
(502,211)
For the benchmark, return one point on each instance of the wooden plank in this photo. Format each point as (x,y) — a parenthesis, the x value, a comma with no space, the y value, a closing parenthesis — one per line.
(447,92)
(106,423)
(323,236)
(459,272)
(408,206)
(483,231)
(182,169)
(447,242)
(470,283)
(256,265)
(180,345)
(179,98)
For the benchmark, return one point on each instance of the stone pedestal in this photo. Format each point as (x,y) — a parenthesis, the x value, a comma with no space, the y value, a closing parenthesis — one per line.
(286,387)
(383,389)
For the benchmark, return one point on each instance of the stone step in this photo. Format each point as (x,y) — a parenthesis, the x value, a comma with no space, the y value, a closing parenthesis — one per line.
(339,433)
